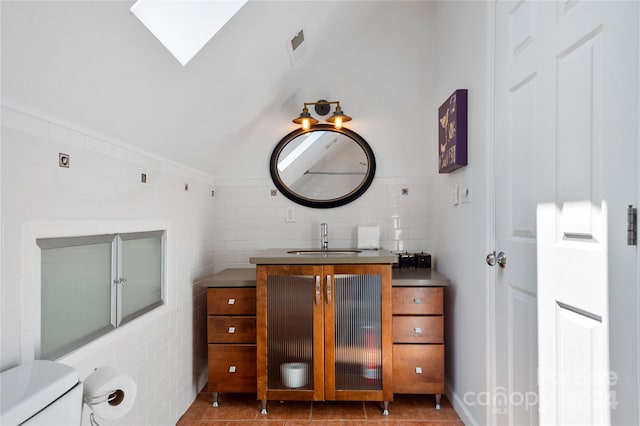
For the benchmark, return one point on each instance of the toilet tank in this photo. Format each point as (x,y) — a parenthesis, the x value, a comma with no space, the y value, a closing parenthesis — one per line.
(40,392)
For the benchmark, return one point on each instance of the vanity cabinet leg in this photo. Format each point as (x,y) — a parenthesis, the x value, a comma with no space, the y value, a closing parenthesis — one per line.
(438,396)
(385,411)
(215,399)
(263,410)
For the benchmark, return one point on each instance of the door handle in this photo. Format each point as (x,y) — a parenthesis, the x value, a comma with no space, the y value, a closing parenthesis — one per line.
(500,258)
(318,291)
(328,289)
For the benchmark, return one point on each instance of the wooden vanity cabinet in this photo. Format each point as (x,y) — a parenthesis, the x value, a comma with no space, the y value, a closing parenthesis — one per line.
(324,332)
(418,340)
(231,337)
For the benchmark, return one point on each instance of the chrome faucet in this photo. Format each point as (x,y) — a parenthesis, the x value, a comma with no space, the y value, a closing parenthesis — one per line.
(324,236)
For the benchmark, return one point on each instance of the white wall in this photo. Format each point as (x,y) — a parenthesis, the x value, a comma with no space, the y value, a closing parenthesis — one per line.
(385,81)
(164,351)
(463,232)
(248,219)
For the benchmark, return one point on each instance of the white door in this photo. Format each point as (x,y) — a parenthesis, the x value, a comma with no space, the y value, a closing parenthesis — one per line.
(566,122)
(584,264)
(519,162)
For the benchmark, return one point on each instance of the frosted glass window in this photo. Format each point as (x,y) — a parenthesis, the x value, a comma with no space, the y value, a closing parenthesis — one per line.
(76,294)
(91,285)
(142,269)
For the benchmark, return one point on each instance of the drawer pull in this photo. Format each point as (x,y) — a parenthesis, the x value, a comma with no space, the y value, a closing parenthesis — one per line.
(232,369)
(232,330)
(231,301)
(417,301)
(418,370)
(418,330)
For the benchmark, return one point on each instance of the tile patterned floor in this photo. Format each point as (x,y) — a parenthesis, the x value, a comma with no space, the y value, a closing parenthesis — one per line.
(244,410)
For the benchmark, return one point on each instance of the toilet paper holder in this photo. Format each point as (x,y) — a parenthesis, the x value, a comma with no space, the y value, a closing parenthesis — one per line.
(114,397)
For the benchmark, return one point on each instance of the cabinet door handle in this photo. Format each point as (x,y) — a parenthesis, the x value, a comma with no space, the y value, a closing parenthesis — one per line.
(418,330)
(318,291)
(417,301)
(231,301)
(418,370)
(232,369)
(232,330)
(328,289)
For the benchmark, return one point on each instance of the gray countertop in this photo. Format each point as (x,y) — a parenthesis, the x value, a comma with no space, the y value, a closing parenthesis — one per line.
(337,257)
(232,277)
(401,277)
(418,277)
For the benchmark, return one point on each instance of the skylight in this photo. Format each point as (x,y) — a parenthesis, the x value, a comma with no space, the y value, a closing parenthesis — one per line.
(185,26)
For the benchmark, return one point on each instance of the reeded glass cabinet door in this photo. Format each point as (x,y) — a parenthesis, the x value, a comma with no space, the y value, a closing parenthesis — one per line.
(290,331)
(357,327)
(358,342)
(290,349)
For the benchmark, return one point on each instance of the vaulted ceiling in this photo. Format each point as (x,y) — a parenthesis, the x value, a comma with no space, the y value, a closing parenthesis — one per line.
(94,63)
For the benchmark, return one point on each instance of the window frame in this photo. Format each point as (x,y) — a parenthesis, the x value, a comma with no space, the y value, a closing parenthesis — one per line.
(116,283)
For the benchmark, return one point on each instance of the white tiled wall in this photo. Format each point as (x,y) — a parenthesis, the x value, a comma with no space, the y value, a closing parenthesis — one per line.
(165,350)
(248,219)
(101,192)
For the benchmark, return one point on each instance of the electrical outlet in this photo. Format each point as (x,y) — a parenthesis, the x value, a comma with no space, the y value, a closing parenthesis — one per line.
(289,214)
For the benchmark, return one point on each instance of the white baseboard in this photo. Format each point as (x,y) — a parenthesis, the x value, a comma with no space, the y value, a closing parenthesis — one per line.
(460,407)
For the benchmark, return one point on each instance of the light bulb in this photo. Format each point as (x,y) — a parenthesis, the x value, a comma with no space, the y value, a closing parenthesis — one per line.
(306,123)
(338,123)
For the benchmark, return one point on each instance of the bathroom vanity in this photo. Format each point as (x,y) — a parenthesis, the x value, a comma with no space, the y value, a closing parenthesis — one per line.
(334,326)
(329,314)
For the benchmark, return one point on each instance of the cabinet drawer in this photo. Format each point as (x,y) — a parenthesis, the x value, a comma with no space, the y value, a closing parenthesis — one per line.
(418,369)
(417,300)
(231,301)
(226,329)
(232,368)
(414,329)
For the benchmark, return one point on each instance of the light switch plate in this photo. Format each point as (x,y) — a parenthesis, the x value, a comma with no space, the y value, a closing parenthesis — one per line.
(465,195)
(455,194)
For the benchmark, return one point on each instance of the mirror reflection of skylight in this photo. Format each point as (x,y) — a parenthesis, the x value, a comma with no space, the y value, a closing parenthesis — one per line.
(185,26)
(299,150)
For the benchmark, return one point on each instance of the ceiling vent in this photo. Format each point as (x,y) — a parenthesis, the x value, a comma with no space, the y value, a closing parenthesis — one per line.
(296,47)
(297,40)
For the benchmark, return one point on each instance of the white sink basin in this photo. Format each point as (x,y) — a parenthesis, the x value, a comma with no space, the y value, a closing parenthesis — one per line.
(325,252)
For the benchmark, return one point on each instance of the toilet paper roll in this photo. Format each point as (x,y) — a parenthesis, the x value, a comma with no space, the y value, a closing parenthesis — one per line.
(368,237)
(294,374)
(109,392)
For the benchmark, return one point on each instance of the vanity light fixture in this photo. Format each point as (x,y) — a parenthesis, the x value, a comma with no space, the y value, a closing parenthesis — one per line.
(322,107)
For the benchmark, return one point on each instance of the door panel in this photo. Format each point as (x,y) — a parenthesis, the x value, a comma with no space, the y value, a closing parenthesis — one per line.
(578,393)
(523,359)
(566,122)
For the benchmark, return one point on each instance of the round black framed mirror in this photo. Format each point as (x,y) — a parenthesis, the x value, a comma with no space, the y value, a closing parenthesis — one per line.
(322,167)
